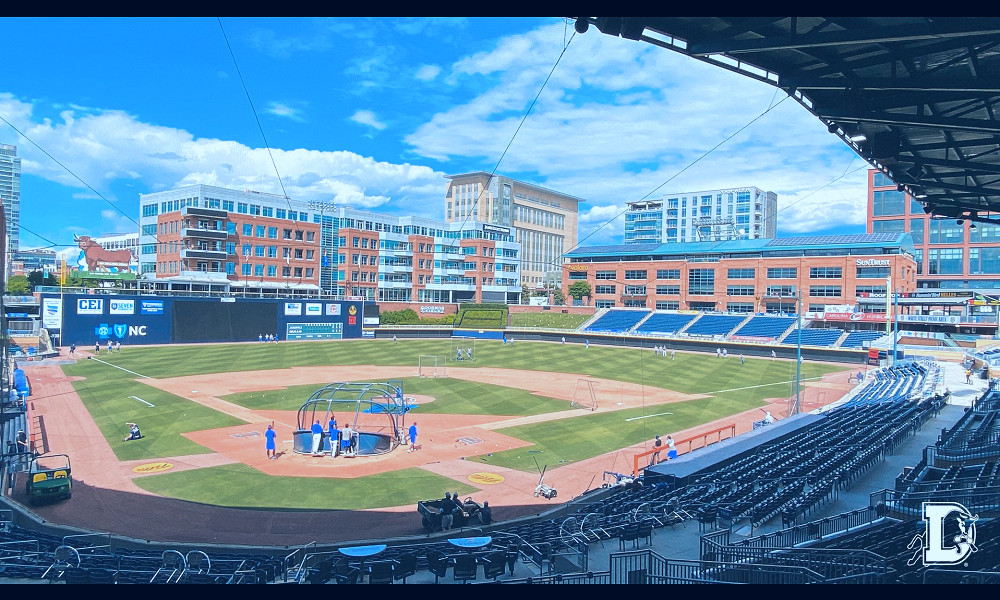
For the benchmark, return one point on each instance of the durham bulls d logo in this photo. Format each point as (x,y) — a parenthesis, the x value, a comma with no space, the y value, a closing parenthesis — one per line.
(949,536)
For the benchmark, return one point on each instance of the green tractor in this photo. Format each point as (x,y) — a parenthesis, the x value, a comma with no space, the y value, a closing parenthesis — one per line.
(49,478)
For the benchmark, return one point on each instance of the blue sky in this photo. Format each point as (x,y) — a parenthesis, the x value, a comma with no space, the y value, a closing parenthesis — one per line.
(374,112)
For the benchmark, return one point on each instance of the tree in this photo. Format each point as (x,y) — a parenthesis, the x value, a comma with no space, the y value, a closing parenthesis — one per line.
(558,298)
(18,285)
(579,289)
(36,278)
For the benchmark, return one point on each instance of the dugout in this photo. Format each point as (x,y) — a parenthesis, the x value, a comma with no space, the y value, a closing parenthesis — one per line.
(375,411)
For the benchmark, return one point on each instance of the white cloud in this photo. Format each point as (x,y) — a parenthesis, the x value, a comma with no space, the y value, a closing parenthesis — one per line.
(427,72)
(621,120)
(114,145)
(367,117)
(283,110)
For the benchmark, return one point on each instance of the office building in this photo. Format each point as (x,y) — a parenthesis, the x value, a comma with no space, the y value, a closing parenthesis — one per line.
(950,253)
(10,194)
(210,239)
(744,276)
(544,221)
(737,213)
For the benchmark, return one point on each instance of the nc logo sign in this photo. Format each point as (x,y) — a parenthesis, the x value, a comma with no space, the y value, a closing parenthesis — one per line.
(122,330)
(949,535)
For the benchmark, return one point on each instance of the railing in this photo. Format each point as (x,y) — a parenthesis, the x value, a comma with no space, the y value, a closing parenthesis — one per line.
(83,536)
(983,500)
(703,438)
(793,536)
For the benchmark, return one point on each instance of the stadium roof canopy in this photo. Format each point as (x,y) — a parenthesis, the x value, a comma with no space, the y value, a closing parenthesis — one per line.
(917,97)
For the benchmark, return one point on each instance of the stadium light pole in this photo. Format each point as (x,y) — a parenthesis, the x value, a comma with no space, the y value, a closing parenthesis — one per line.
(798,352)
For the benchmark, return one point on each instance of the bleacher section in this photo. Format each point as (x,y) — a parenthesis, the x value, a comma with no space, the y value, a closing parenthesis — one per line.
(664,323)
(814,337)
(765,327)
(856,339)
(617,321)
(711,325)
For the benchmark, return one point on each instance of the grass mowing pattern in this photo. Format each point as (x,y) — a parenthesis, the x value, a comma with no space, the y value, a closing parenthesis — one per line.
(570,440)
(110,403)
(451,396)
(242,486)
(548,320)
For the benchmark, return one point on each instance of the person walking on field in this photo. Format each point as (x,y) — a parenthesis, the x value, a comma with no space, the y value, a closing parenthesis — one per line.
(413,437)
(269,445)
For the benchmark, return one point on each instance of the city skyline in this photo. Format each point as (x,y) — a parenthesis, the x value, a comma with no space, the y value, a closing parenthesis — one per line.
(375,113)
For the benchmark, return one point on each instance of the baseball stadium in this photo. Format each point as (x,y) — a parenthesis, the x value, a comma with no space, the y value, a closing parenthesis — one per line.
(272,435)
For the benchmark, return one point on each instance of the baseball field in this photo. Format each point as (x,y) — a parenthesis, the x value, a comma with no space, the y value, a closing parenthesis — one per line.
(486,427)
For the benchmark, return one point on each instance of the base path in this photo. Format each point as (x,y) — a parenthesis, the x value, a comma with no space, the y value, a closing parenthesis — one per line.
(105,497)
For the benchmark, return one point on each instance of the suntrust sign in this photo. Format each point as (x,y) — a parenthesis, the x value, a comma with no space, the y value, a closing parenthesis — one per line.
(873,262)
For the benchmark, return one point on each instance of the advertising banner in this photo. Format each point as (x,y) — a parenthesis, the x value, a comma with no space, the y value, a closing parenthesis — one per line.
(51,313)
(293,308)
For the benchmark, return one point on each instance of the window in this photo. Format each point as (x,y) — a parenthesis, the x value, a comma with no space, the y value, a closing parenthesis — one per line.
(668,273)
(310,236)
(782,273)
(298,234)
(298,253)
(247,229)
(309,272)
(258,250)
(272,271)
(635,290)
(869,289)
(917,230)
(668,290)
(260,231)
(258,270)
(882,180)
(824,291)
(668,305)
(272,232)
(701,282)
(945,231)
(578,275)
(780,290)
(872,272)
(739,307)
(889,226)
(272,251)
(231,228)
(356,242)
(605,275)
(739,290)
(742,273)
(888,203)
(310,254)
(826,272)
(286,271)
(984,233)
(604,289)
(984,261)
(635,274)
(702,305)
(286,234)
(246,269)
(604,303)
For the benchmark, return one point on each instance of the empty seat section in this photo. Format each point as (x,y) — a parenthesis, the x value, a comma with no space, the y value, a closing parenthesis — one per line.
(617,321)
(814,337)
(714,324)
(855,339)
(664,323)
(768,327)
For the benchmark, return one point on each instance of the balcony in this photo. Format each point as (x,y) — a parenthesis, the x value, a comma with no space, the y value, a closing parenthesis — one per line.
(208,234)
(212,213)
(203,253)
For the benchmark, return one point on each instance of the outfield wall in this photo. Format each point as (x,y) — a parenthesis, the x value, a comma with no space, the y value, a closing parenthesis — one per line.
(84,319)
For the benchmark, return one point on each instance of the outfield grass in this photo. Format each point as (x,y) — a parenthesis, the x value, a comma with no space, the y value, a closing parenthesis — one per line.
(111,403)
(451,396)
(548,320)
(689,373)
(570,440)
(242,486)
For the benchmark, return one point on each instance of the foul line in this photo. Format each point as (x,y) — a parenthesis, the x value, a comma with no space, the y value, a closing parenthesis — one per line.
(117,367)
(750,387)
(648,416)
(143,401)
